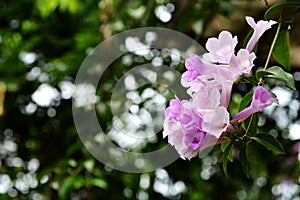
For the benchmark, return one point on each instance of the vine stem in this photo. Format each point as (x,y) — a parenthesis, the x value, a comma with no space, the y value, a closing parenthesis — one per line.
(273,44)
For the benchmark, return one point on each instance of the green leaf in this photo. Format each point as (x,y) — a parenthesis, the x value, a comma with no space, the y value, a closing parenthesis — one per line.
(269,142)
(244,159)
(285,77)
(245,101)
(279,74)
(225,158)
(279,6)
(262,73)
(223,147)
(281,51)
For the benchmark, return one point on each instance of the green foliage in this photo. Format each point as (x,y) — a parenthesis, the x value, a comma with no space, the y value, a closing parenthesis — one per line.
(243,156)
(77,182)
(279,7)
(269,142)
(278,73)
(46,7)
(224,145)
(226,156)
(281,51)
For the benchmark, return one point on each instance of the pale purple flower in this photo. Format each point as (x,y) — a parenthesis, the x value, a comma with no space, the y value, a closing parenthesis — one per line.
(194,136)
(174,131)
(242,63)
(215,122)
(197,85)
(259,28)
(189,125)
(215,118)
(183,126)
(208,76)
(220,49)
(199,122)
(261,99)
(223,77)
(196,67)
(206,100)
(174,110)
(193,65)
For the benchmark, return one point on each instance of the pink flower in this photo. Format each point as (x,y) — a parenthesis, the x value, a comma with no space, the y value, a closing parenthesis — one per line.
(220,49)
(242,63)
(259,28)
(261,99)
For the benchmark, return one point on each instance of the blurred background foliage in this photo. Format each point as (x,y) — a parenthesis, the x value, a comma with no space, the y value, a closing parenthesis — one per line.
(42,45)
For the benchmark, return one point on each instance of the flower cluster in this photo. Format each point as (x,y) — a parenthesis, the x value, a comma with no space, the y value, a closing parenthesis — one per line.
(191,124)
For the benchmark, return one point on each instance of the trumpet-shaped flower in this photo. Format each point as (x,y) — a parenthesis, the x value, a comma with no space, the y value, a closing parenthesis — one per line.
(261,99)
(259,28)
